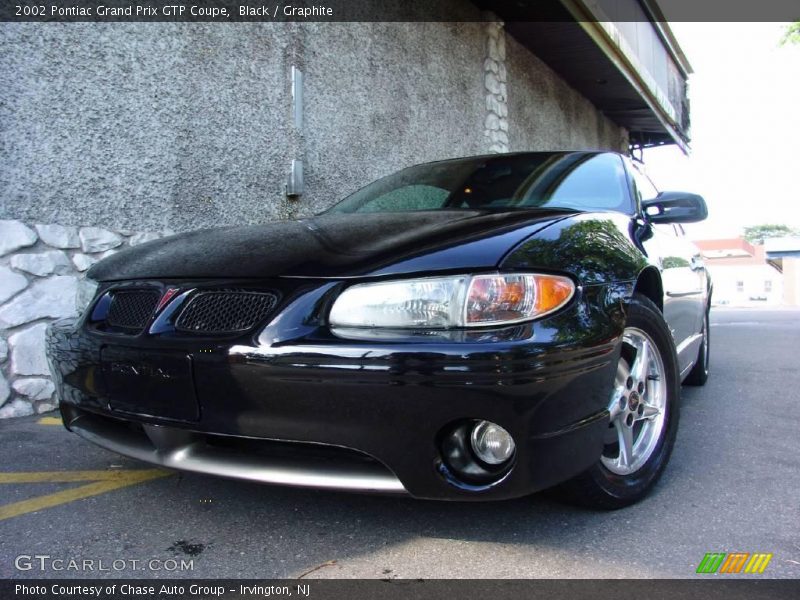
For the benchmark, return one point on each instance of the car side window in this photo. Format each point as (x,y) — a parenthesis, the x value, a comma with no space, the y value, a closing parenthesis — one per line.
(645,189)
(409,197)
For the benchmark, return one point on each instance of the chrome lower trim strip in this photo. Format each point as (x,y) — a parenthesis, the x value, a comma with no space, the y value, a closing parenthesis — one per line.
(184,450)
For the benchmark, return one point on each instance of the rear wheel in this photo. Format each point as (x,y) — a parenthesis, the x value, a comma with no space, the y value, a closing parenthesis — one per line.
(699,373)
(643,416)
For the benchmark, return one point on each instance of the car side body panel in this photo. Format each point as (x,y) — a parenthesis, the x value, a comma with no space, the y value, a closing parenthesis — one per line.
(686,283)
(686,286)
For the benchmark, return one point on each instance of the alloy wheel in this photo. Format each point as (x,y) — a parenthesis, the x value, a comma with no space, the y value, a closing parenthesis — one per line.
(637,410)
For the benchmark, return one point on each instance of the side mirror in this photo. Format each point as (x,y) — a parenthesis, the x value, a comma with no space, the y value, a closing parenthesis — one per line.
(675,207)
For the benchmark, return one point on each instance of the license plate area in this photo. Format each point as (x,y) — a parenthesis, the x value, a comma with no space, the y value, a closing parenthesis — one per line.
(152,383)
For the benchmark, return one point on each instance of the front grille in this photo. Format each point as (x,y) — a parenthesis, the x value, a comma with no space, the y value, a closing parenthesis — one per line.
(132,310)
(225,311)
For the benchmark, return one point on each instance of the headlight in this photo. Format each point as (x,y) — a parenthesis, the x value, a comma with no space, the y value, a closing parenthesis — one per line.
(446,302)
(87,288)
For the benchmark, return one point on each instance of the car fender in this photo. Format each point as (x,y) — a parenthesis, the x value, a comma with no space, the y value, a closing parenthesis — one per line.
(593,248)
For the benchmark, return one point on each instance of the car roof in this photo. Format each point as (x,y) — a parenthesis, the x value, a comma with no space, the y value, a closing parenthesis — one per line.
(517,154)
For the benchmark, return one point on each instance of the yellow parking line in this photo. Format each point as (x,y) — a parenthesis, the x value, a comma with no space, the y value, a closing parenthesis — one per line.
(73,476)
(103,481)
(50,421)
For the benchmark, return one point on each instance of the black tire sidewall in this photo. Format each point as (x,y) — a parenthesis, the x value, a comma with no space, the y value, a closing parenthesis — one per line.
(699,373)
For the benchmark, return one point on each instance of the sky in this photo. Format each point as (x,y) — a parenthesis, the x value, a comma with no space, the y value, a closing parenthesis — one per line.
(745,113)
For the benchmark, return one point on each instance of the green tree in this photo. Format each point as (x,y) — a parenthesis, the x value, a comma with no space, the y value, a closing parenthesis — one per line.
(792,34)
(758,233)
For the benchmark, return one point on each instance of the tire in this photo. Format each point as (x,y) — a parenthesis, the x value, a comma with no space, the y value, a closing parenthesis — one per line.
(619,478)
(699,373)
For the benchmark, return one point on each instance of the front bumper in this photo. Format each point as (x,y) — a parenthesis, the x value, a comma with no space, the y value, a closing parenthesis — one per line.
(187,450)
(299,406)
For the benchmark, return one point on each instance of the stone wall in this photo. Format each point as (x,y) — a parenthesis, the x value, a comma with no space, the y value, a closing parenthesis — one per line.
(495,80)
(41,268)
(143,126)
(190,125)
(546,113)
(383,96)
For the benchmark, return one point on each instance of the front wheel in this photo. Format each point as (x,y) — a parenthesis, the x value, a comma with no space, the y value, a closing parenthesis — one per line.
(643,415)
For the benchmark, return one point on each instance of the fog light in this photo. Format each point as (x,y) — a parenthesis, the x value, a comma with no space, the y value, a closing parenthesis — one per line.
(491,443)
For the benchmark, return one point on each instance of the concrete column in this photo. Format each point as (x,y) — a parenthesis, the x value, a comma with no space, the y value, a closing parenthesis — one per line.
(495,83)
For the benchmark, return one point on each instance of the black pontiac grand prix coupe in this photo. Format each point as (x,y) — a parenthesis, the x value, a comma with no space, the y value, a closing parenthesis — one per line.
(470,329)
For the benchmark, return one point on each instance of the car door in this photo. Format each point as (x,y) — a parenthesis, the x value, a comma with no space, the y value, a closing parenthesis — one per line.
(682,275)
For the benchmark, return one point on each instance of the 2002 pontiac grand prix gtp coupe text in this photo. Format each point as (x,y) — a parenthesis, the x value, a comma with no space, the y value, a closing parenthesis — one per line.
(470,329)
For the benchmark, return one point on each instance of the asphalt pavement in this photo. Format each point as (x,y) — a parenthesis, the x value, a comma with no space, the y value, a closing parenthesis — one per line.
(733,485)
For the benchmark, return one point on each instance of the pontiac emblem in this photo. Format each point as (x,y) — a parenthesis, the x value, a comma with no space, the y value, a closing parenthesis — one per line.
(168,295)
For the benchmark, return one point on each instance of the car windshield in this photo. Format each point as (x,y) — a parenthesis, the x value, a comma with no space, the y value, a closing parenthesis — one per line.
(577,180)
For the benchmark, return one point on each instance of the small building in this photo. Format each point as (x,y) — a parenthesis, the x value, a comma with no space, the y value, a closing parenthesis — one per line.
(784,255)
(742,273)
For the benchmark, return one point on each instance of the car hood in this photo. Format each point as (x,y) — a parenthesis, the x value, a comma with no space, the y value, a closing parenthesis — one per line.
(333,246)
